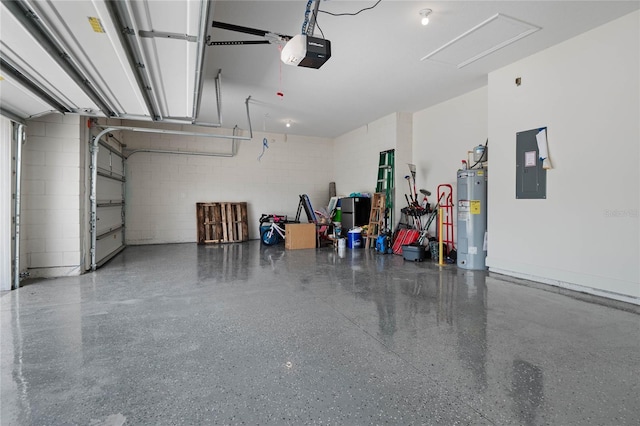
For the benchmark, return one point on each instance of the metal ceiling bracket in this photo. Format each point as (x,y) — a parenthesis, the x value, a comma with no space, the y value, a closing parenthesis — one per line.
(246,103)
(270,37)
(205,10)
(312,21)
(122,19)
(218,84)
(218,89)
(164,34)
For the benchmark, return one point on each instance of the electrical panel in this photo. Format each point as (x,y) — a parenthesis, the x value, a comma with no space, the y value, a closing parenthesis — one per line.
(531,178)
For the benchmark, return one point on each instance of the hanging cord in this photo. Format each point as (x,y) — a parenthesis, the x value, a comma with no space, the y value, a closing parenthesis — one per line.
(308,12)
(349,14)
(265,145)
(280,93)
(315,15)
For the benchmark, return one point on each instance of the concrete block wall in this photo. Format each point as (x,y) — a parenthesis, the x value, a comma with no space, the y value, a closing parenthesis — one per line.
(51,202)
(163,189)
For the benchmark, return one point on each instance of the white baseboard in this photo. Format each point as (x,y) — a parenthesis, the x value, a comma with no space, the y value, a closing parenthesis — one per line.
(569,286)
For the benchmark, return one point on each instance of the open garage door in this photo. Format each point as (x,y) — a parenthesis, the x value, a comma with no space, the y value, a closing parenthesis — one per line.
(110,217)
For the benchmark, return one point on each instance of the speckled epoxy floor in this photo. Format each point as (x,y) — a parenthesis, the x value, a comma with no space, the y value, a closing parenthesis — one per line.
(243,334)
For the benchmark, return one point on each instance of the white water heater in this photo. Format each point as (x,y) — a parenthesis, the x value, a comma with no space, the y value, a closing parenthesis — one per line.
(472,219)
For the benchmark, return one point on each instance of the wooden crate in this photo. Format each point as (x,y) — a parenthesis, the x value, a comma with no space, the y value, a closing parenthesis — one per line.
(219,222)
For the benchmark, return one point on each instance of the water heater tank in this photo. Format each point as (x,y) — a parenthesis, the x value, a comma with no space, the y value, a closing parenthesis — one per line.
(472,219)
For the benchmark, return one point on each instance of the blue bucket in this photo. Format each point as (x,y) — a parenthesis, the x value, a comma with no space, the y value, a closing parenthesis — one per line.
(354,240)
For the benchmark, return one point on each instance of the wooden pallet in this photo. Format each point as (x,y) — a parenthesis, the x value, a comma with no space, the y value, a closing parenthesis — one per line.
(222,222)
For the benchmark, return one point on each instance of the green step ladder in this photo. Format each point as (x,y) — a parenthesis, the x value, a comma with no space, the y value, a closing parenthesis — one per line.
(386,183)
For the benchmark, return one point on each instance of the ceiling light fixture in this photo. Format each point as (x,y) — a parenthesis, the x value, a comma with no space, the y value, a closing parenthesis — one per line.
(425,16)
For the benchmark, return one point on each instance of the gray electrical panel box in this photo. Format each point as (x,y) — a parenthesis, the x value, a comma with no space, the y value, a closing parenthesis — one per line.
(531,178)
(472,219)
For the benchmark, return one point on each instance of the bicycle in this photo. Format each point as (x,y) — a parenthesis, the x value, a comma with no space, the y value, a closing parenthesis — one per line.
(274,233)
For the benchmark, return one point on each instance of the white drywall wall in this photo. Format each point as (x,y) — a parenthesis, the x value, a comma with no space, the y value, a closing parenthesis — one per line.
(51,184)
(162,190)
(403,157)
(357,155)
(6,203)
(358,152)
(442,135)
(585,234)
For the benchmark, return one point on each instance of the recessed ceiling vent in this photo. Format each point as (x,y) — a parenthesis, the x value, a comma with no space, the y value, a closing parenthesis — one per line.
(483,39)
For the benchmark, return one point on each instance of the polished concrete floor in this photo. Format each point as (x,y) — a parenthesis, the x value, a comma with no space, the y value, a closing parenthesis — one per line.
(243,334)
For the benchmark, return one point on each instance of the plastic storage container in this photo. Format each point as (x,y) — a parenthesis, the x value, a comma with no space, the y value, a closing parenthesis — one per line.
(413,253)
(354,240)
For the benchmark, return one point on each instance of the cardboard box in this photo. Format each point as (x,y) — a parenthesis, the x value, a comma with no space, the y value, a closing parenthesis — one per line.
(299,236)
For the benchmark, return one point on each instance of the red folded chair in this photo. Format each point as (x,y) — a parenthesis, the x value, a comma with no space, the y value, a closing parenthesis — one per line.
(405,237)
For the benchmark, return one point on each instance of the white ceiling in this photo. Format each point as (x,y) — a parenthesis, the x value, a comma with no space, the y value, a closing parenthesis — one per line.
(375,68)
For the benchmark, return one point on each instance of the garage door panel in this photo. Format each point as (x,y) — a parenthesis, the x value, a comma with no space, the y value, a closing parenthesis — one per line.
(109,218)
(117,167)
(109,214)
(110,163)
(108,245)
(109,189)
(104,158)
